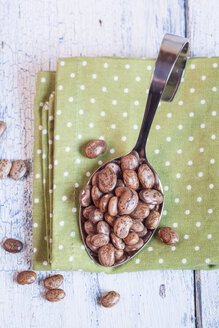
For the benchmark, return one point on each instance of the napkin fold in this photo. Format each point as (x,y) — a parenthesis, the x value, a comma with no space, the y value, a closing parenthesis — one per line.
(91,98)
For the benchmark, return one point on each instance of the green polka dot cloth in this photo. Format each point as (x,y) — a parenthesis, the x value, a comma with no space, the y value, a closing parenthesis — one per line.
(104,98)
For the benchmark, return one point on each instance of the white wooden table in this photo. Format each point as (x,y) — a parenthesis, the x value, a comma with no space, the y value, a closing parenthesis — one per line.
(34,33)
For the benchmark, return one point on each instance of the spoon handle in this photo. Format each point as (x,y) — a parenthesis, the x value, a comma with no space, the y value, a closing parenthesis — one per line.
(166,78)
(150,110)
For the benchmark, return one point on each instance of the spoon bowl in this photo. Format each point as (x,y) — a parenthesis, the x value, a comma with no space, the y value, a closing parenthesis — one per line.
(145,238)
(165,81)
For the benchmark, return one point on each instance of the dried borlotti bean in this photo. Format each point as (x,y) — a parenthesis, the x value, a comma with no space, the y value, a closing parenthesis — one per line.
(18,170)
(96,195)
(107,180)
(90,245)
(90,227)
(54,281)
(106,255)
(152,221)
(151,196)
(131,239)
(135,247)
(120,190)
(26,277)
(109,219)
(85,196)
(122,226)
(119,254)
(95,215)
(103,227)
(12,245)
(115,167)
(110,299)
(129,162)
(131,179)
(87,210)
(55,295)
(5,167)
(100,240)
(118,243)
(95,179)
(104,200)
(113,206)
(137,226)
(141,211)
(168,236)
(128,201)
(135,153)
(146,176)
(95,148)
(143,232)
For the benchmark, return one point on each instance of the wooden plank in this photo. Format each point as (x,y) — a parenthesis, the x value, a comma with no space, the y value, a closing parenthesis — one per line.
(36,34)
(152,300)
(203,30)
(203,27)
(210,298)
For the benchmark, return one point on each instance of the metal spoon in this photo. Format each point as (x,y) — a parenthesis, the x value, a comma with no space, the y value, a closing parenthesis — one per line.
(166,78)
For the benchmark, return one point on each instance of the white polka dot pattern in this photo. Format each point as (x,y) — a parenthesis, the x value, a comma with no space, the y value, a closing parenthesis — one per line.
(101,102)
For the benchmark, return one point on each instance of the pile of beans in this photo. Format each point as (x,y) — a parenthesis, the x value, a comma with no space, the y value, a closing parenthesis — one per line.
(52,283)
(120,209)
(54,294)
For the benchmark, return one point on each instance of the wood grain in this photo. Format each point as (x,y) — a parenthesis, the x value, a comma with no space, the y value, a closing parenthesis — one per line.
(140,304)
(33,35)
(38,33)
(210,298)
(203,28)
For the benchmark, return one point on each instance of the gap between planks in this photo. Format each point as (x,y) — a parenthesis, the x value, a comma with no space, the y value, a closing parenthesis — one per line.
(197,277)
(197,299)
